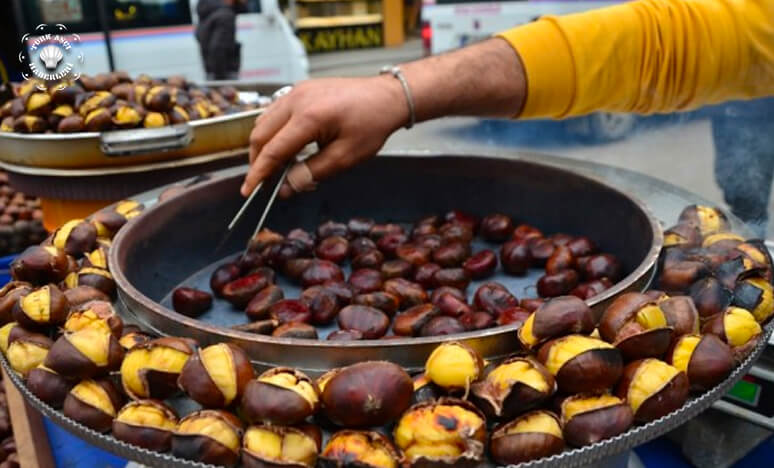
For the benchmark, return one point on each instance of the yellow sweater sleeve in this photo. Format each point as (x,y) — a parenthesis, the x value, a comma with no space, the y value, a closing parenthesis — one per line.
(647,56)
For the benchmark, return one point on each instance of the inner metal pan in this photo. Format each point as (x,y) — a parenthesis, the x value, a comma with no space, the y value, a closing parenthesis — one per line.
(160,249)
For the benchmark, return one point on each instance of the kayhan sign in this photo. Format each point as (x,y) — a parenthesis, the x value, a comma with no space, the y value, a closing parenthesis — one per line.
(341,37)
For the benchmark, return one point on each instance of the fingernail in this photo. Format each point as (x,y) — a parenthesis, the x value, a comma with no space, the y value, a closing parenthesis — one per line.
(244,190)
(285,191)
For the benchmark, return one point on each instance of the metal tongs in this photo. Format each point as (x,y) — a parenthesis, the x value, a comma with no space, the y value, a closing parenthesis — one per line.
(243,209)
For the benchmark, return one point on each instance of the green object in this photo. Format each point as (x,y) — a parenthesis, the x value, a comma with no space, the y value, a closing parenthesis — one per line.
(746,392)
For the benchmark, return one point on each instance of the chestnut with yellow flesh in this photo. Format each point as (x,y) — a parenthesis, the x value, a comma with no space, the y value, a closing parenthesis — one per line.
(292,382)
(93,403)
(128,208)
(5,331)
(708,219)
(98,315)
(453,366)
(587,419)
(146,423)
(139,361)
(582,364)
(24,354)
(220,366)
(93,343)
(705,359)
(85,353)
(681,355)
(141,414)
(519,371)
(97,258)
(753,254)
(652,388)
(650,317)
(451,431)
(513,387)
(217,375)
(37,305)
(281,396)
(359,449)
(740,326)
(755,295)
(94,395)
(63,233)
(556,317)
(534,435)
(208,436)
(525,332)
(721,236)
(276,444)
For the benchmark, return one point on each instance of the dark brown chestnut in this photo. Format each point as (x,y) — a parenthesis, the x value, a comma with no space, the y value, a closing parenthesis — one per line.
(333,248)
(360,226)
(41,307)
(680,314)
(588,419)
(515,257)
(408,293)
(262,239)
(281,396)
(602,266)
(380,230)
(531,303)
(151,369)
(557,317)
(517,385)
(637,326)
(289,311)
(295,330)
(75,237)
(591,288)
(557,284)
(707,219)
(581,364)
(453,232)
(216,375)
(494,298)
(429,241)
(259,305)
(368,259)
(451,305)
(85,353)
(341,289)
(481,265)
(223,275)
(581,246)
(366,394)
(755,294)
(461,217)
(397,268)
(386,302)
(93,403)
(410,322)
(365,280)
(208,436)
(451,255)
(738,328)
(344,335)
(146,423)
(240,291)
(477,320)
(496,227)
(9,296)
(561,259)
(652,388)
(425,275)
(453,277)
(370,321)
(332,228)
(390,242)
(321,271)
(40,265)
(442,325)
(679,276)
(710,297)
(533,435)
(47,385)
(705,359)
(190,301)
(683,235)
(323,304)
(514,315)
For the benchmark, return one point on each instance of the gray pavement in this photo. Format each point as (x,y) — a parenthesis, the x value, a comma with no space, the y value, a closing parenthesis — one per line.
(680,154)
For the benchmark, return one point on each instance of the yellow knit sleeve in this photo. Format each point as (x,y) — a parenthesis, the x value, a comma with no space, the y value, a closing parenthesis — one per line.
(647,56)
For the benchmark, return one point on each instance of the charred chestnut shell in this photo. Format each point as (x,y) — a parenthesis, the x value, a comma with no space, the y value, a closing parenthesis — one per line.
(281,396)
(359,449)
(513,387)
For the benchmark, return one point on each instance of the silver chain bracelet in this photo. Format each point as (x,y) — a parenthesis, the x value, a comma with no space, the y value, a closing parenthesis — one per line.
(398,73)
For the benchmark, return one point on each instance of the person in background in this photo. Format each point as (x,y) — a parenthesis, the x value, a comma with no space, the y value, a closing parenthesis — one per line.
(216,33)
(644,56)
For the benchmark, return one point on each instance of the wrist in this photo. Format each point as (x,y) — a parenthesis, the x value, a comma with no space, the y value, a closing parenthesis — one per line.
(396,104)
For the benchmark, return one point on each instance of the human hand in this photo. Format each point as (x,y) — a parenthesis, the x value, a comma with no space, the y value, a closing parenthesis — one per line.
(348,118)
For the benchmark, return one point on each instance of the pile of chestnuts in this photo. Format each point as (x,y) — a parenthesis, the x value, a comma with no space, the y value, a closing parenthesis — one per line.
(403,282)
(111,101)
(21,220)
(579,378)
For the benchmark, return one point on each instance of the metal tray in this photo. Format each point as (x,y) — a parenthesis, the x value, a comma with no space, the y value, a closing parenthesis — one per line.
(588,455)
(164,247)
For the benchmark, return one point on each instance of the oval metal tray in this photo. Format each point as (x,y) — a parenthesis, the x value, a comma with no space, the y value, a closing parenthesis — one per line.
(567,459)
(161,249)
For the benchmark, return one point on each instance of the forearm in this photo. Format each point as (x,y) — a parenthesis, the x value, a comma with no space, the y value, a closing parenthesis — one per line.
(485,79)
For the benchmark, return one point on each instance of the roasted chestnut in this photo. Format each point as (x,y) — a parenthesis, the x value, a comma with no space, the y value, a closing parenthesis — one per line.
(151,370)
(47,385)
(98,278)
(707,219)
(557,317)
(408,293)
(363,449)
(531,304)
(295,330)
(447,431)
(361,245)
(652,388)
(24,350)
(85,353)
(93,403)
(365,280)
(94,314)
(240,291)
(561,259)
(592,288)
(281,396)
(97,258)
(146,423)
(442,325)
(332,228)
(259,305)
(683,235)
(208,436)
(496,227)
(477,320)
(191,301)
(451,255)
(514,315)
(319,272)
(413,254)
(450,304)
(75,237)
(454,366)
(266,445)
(40,265)
(368,259)
(557,284)
(738,328)
(637,326)
(41,307)
(581,246)
(513,387)
(383,301)
(397,268)
(9,296)
(705,359)
(602,266)
(533,435)
(216,375)
(680,314)
(360,226)
(290,311)
(323,304)
(755,294)
(370,321)
(588,419)
(710,297)
(410,322)
(333,248)
(481,265)
(29,124)
(132,336)
(494,298)
(453,232)
(344,335)
(366,394)
(581,364)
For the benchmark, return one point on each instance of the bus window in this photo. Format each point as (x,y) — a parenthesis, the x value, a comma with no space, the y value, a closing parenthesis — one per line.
(126,14)
(77,15)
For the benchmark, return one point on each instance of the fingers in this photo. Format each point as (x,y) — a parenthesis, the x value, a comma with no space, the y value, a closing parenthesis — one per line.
(266,125)
(283,145)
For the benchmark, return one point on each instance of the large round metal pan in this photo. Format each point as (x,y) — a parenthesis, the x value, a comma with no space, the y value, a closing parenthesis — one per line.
(173,240)
(127,147)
